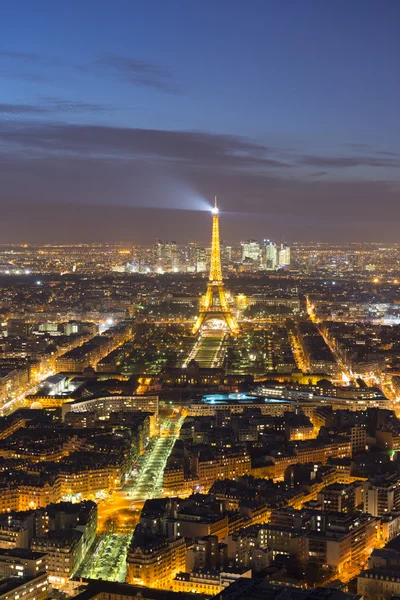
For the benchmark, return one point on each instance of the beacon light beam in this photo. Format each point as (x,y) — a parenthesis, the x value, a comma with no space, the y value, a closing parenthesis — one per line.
(166,192)
(169,200)
(158,190)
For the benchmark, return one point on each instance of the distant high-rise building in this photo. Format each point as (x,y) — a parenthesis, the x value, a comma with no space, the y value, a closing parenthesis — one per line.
(165,255)
(284,255)
(158,252)
(171,256)
(201,260)
(226,253)
(271,255)
(312,262)
(251,250)
(188,258)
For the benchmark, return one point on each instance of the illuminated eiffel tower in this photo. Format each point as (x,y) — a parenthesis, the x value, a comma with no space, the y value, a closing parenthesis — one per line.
(214,304)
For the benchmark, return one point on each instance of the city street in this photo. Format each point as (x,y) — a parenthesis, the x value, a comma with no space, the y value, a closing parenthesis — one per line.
(298,354)
(106,558)
(119,514)
(345,374)
(149,480)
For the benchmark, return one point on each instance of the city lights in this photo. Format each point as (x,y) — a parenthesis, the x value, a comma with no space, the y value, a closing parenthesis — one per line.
(171,388)
(200,395)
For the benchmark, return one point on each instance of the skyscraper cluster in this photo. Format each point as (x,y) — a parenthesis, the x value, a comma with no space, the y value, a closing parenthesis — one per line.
(170,257)
(267,255)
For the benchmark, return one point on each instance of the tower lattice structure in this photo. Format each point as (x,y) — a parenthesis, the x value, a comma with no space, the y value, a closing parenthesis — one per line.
(214,304)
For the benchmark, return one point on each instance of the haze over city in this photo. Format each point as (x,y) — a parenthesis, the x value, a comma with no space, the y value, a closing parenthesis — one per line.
(288,111)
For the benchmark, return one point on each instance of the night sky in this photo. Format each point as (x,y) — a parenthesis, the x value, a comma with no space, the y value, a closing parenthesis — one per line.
(120,119)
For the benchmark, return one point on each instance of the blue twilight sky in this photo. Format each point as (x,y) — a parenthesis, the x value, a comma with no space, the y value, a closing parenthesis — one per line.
(289,110)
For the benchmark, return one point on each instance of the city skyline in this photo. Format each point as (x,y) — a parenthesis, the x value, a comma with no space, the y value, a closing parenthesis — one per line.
(199,300)
(288,113)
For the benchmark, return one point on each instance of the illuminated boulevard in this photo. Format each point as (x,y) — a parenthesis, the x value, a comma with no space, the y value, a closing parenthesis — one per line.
(119,514)
(149,480)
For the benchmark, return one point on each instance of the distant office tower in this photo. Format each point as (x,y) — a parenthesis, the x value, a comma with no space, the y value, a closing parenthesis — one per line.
(284,255)
(251,250)
(201,260)
(226,253)
(136,254)
(171,256)
(165,255)
(188,256)
(271,255)
(158,252)
(312,262)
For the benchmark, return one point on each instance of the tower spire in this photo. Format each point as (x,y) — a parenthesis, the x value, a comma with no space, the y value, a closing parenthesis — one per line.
(214,304)
(215,263)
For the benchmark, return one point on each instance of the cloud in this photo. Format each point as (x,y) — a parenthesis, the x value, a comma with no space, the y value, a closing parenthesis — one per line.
(355,145)
(77,182)
(13,74)
(20,56)
(18,109)
(197,149)
(200,149)
(56,104)
(388,153)
(23,66)
(48,106)
(141,73)
(52,105)
(347,161)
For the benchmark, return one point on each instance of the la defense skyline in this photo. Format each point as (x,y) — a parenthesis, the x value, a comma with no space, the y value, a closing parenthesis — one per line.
(166,256)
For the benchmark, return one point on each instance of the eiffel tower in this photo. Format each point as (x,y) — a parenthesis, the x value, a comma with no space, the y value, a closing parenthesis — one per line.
(214,304)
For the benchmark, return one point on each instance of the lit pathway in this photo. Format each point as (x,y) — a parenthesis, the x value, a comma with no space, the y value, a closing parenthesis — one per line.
(149,481)
(209,350)
(106,559)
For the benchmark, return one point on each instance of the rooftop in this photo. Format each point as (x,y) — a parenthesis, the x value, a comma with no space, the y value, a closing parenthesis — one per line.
(97,588)
(21,553)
